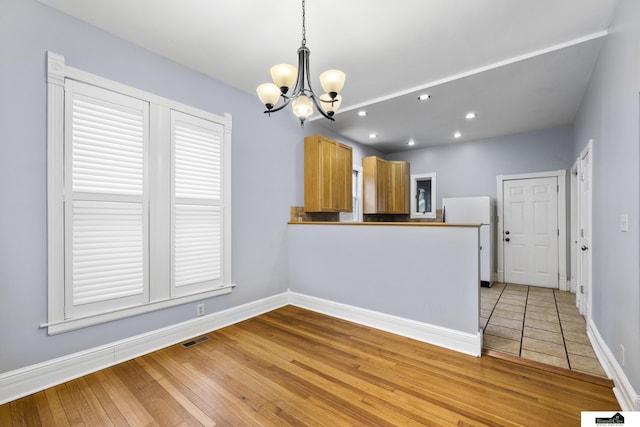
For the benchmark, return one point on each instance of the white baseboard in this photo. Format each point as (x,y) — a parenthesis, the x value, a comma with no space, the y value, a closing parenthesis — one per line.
(24,381)
(31,379)
(563,284)
(443,337)
(627,397)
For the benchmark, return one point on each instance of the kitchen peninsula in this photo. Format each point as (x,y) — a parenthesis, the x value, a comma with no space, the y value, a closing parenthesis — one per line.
(415,279)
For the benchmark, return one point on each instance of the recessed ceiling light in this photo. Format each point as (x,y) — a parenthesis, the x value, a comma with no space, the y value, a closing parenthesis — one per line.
(372,135)
(411,142)
(424,97)
(470,115)
(457,134)
(362,113)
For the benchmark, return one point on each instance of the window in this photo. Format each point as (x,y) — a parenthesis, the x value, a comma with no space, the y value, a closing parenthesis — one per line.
(138,200)
(423,195)
(356,196)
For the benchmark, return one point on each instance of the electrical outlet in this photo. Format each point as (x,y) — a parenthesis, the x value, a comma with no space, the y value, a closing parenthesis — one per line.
(621,355)
(623,221)
(200,310)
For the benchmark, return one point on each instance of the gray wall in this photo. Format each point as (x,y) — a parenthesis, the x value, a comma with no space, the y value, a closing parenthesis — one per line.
(470,168)
(266,171)
(610,116)
(423,274)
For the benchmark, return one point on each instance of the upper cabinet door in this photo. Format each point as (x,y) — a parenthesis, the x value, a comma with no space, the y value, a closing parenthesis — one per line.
(343,178)
(328,169)
(399,187)
(375,182)
(386,186)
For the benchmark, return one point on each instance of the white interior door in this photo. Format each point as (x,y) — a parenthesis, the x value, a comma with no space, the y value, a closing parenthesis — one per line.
(584,237)
(530,231)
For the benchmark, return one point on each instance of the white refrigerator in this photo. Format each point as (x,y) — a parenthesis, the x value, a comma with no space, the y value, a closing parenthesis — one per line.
(480,210)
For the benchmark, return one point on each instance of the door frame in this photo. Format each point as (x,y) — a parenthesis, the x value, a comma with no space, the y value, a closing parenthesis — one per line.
(575,228)
(563,284)
(584,286)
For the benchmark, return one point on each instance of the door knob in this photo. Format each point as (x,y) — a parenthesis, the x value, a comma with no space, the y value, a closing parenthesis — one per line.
(507,239)
(584,248)
(506,232)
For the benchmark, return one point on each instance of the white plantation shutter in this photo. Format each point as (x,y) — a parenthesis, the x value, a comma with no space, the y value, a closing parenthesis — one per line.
(107,251)
(197,158)
(197,196)
(105,201)
(197,247)
(107,147)
(138,201)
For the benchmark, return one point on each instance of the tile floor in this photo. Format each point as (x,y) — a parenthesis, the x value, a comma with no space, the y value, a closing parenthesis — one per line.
(538,324)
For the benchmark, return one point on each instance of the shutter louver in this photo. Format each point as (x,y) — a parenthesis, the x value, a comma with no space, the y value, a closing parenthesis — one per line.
(197,248)
(108,250)
(197,160)
(197,222)
(107,147)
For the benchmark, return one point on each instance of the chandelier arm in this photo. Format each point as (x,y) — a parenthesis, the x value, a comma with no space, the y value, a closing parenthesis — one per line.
(303,64)
(287,100)
(317,102)
(307,71)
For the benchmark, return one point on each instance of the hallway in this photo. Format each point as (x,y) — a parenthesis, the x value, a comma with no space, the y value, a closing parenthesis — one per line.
(538,324)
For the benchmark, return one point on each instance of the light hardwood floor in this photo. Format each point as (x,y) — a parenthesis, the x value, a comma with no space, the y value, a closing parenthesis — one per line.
(296,367)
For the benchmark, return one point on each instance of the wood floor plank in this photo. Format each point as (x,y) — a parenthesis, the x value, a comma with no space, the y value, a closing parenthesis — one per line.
(256,367)
(5,415)
(295,367)
(131,409)
(45,413)
(212,380)
(50,398)
(307,382)
(85,403)
(105,400)
(176,393)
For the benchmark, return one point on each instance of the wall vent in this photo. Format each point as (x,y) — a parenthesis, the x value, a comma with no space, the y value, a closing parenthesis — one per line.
(195,341)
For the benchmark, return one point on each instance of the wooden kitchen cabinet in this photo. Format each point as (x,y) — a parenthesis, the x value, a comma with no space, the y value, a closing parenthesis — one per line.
(386,186)
(399,187)
(375,185)
(328,171)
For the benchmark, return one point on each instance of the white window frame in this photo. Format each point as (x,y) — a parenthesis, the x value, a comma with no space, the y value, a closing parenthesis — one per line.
(414,197)
(356,214)
(160,200)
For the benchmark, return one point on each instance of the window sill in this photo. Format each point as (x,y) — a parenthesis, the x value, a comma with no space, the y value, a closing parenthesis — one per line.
(423,216)
(58,327)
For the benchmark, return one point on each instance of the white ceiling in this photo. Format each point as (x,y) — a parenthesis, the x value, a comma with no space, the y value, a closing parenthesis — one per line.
(521,65)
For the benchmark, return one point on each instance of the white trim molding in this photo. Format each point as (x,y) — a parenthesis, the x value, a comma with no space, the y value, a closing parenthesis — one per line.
(443,337)
(31,379)
(24,381)
(563,283)
(157,290)
(627,397)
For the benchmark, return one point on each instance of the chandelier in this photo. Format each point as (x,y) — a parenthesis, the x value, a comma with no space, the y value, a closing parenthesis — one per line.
(302,97)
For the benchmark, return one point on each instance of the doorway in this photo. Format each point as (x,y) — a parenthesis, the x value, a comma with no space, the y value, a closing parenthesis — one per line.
(530,235)
(532,229)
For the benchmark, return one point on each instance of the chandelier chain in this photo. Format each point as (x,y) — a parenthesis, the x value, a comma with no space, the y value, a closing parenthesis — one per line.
(304,28)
